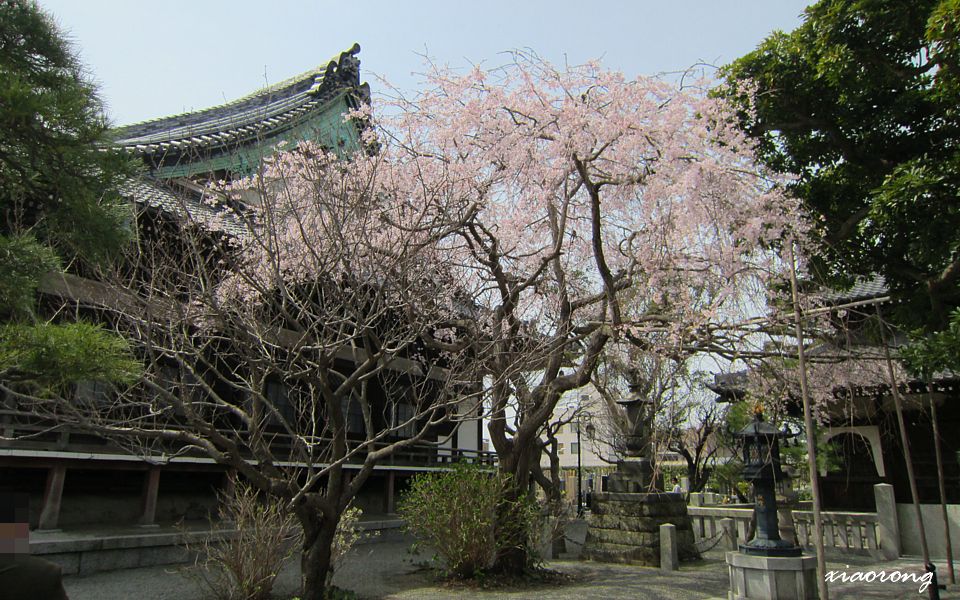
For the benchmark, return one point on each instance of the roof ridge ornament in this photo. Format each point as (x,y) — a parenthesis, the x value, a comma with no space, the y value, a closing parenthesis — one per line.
(344,70)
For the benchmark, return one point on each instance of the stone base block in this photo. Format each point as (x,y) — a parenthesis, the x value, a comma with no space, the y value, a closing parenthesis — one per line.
(625,528)
(772,578)
(632,476)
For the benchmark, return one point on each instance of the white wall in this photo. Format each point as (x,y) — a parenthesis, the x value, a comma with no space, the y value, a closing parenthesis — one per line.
(468,437)
(933,525)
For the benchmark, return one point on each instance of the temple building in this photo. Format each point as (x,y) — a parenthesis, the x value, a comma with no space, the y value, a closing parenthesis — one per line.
(76,479)
(861,430)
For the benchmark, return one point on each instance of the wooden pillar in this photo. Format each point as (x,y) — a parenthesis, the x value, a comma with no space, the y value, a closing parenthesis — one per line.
(391,485)
(228,492)
(52,495)
(6,420)
(230,483)
(148,503)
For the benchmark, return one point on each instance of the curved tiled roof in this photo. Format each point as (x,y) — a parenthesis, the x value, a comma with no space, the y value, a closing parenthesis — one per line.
(183,205)
(862,289)
(250,117)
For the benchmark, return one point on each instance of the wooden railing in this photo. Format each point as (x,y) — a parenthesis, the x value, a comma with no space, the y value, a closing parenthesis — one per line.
(38,436)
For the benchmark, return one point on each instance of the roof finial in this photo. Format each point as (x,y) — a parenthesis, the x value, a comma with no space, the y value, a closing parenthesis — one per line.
(344,70)
(348,67)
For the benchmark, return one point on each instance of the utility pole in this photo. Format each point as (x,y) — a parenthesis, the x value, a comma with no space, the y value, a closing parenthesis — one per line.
(579,473)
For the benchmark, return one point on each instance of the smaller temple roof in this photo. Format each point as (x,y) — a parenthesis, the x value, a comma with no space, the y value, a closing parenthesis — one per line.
(253,117)
(862,289)
(182,204)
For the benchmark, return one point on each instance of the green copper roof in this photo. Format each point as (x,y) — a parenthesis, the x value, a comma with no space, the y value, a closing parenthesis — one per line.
(237,135)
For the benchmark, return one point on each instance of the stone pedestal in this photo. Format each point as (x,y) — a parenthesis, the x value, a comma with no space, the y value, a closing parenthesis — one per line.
(633,476)
(624,527)
(772,578)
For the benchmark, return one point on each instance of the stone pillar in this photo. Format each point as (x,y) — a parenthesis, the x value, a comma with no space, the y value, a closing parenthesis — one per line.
(669,557)
(546,535)
(888,528)
(148,501)
(696,498)
(729,529)
(788,530)
(743,531)
(52,495)
(391,505)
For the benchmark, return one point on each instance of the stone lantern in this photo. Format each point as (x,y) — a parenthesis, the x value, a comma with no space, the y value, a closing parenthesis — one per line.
(768,567)
(630,521)
(639,413)
(635,471)
(761,467)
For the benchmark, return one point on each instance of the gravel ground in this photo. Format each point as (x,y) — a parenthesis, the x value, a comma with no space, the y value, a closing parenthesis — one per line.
(365,571)
(386,570)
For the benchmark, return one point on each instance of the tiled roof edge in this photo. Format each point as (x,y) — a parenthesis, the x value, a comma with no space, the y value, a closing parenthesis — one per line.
(316,75)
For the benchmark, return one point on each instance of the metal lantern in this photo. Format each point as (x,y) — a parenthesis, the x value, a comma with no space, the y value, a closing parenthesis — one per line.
(761,467)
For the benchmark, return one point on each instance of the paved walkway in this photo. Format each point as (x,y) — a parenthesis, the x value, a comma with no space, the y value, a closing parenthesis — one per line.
(387,570)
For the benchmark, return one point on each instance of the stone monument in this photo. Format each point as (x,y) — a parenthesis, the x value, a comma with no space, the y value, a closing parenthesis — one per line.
(625,519)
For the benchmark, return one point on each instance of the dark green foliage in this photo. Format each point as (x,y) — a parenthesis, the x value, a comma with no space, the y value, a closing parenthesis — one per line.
(50,357)
(861,104)
(335,593)
(58,203)
(23,261)
(929,355)
(58,179)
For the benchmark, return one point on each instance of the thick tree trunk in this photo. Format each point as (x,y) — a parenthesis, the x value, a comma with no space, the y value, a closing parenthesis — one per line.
(513,539)
(315,562)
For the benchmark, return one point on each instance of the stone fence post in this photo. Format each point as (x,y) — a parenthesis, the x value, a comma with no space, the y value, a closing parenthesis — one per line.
(729,529)
(668,547)
(888,527)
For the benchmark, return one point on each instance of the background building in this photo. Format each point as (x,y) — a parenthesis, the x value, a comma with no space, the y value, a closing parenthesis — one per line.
(578,424)
(78,479)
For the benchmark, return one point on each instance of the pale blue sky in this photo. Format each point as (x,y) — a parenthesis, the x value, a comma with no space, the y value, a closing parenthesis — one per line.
(158,58)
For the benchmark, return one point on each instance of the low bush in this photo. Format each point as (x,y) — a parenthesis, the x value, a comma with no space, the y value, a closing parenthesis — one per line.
(245,566)
(454,513)
(348,533)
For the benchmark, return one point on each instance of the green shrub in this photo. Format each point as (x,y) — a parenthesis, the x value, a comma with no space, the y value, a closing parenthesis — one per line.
(454,513)
(348,534)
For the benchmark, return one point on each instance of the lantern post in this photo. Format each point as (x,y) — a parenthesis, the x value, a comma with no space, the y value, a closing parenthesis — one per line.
(768,567)
(762,468)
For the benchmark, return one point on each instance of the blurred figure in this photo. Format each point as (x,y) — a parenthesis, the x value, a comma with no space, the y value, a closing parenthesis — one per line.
(23,577)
